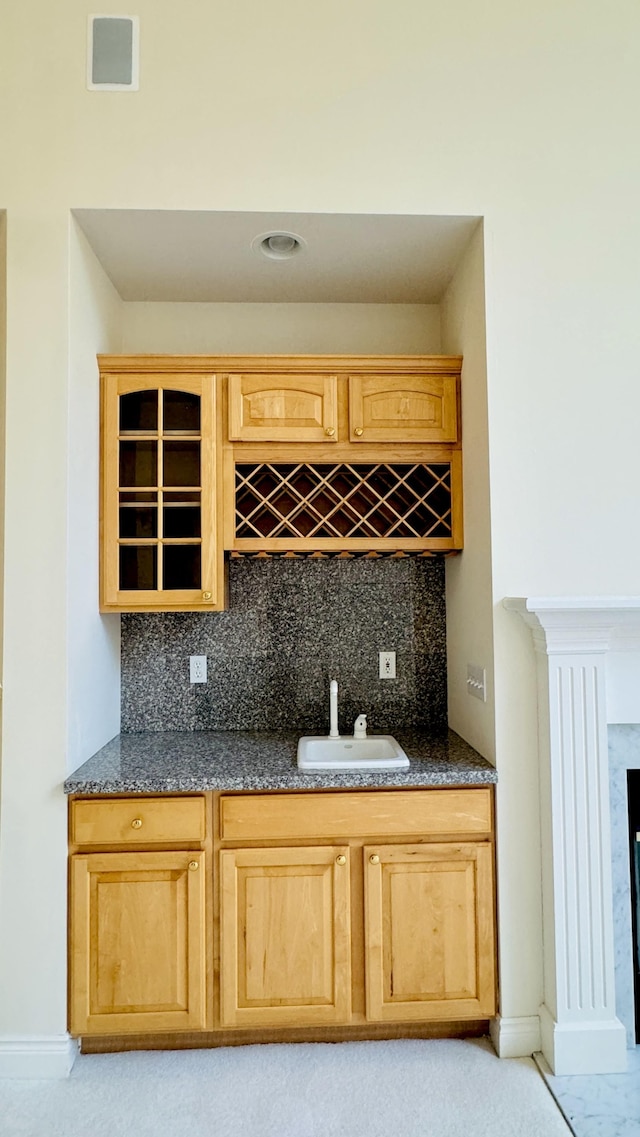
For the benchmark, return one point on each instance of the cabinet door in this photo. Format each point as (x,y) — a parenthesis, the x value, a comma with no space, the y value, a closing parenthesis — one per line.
(429,935)
(283,408)
(285,953)
(402,408)
(159,528)
(137,946)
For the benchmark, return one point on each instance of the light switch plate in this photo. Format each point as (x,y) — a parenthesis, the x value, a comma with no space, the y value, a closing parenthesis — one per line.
(477,682)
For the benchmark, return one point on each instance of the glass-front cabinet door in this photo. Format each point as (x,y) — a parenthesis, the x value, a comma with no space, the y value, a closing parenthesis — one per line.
(159,509)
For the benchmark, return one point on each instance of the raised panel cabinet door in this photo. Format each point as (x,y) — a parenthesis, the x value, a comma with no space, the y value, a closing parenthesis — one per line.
(137,943)
(403,408)
(429,932)
(161,543)
(285,949)
(283,408)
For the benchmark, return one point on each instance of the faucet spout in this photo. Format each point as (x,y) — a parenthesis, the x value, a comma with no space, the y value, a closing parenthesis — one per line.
(333,709)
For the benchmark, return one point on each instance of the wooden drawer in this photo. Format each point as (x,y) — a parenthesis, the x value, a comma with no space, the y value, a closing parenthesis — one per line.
(325,816)
(138,821)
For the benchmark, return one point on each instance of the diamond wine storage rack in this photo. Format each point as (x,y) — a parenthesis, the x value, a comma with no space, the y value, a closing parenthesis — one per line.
(270,454)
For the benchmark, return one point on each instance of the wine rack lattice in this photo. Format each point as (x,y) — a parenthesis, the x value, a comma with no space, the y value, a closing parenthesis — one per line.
(344,500)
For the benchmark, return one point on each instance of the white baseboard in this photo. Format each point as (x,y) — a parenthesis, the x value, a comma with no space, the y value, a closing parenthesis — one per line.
(37,1056)
(598,1047)
(515,1038)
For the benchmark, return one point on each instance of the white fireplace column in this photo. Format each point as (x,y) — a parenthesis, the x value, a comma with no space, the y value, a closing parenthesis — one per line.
(579,1028)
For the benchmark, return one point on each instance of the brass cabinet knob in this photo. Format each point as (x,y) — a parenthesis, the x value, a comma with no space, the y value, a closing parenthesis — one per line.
(374,859)
(358,431)
(341,859)
(136,823)
(206,596)
(193,865)
(330,431)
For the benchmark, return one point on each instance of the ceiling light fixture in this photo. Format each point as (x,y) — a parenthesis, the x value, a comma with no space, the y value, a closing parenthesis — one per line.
(278,245)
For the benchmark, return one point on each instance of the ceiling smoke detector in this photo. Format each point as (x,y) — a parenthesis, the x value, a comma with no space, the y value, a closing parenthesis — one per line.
(278,246)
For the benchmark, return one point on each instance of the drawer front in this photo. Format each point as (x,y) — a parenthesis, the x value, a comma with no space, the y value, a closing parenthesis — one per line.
(324,816)
(138,821)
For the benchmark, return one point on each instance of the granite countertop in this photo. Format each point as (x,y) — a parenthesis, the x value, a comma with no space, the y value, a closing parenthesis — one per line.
(193,761)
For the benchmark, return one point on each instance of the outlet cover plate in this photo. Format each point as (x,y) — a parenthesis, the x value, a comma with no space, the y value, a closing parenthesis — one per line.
(197,669)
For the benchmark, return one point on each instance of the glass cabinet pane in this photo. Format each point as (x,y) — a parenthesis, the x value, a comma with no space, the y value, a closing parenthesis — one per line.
(181,566)
(139,411)
(138,521)
(181,463)
(138,567)
(138,463)
(181,521)
(181,411)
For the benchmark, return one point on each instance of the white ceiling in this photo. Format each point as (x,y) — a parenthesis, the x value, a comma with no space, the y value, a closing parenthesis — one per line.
(174,255)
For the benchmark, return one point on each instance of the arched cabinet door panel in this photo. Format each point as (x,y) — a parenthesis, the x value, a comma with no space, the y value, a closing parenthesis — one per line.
(283,408)
(403,408)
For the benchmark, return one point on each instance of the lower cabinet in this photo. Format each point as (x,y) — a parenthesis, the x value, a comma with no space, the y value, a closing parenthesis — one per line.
(137,958)
(327,910)
(285,936)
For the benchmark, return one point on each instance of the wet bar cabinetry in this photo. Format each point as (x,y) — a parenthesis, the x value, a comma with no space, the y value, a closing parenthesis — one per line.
(228,915)
(298,454)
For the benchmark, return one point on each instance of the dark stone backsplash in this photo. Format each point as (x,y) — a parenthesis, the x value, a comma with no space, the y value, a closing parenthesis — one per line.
(291,626)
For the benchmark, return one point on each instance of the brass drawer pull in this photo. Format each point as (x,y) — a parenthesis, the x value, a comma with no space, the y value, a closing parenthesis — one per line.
(358,431)
(330,431)
(374,859)
(341,859)
(136,823)
(193,865)
(206,596)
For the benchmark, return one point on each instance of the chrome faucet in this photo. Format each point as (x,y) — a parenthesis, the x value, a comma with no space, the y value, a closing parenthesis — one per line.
(333,709)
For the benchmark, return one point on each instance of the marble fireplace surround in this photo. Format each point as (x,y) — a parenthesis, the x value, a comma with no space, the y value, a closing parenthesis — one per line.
(584,954)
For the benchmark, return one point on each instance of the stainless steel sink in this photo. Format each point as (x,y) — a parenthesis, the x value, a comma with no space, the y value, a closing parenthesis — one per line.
(376,752)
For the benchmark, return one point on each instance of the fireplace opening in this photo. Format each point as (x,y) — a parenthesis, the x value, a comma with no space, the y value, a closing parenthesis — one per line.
(633,781)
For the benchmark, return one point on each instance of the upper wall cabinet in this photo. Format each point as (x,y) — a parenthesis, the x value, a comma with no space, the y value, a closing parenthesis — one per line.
(403,408)
(159,508)
(283,408)
(270,454)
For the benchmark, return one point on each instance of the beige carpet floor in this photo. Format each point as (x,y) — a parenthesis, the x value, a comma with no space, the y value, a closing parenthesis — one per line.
(404,1088)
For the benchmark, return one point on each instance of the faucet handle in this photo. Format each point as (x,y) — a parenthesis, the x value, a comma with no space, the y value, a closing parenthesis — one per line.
(360,727)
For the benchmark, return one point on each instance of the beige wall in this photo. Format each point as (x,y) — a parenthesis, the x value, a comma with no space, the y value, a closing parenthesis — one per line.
(286,328)
(521,115)
(93,660)
(469,607)
(3,376)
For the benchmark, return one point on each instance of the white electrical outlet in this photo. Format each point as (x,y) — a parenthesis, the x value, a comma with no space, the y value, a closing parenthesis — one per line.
(477,682)
(387,664)
(197,669)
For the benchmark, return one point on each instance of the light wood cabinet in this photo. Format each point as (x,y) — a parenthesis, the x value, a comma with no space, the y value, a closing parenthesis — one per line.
(332,912)
(203,455)
(160,516)
(137,959)
(422,914)
(139,914)
(403,408)
(283,407)
(429,940)
(284,940)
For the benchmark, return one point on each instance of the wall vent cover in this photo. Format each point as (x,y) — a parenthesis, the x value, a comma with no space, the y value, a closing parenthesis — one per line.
(113,53)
